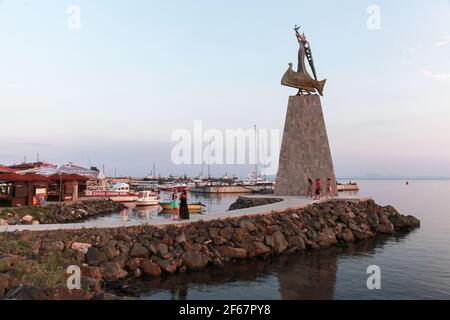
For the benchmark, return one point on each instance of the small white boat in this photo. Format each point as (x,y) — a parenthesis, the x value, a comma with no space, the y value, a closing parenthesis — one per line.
(147,198)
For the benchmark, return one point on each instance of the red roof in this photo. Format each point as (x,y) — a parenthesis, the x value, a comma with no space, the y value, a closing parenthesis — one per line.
(31,165)
(13,177)
(6,170)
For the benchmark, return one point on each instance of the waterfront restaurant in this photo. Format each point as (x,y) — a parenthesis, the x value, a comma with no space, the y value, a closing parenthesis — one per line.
(29,189)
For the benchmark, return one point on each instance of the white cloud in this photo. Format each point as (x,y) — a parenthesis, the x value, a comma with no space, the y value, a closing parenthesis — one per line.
(444,42)
(436,76)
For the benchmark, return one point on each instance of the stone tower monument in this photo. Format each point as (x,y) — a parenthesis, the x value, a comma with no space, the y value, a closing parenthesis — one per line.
(305,151)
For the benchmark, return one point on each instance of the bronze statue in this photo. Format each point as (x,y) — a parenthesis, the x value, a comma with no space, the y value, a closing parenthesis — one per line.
(301,79)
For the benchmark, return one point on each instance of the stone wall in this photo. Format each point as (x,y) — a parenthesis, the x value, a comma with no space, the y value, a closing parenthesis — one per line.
(59,213)
(246,202)
(305,151)
(119,255)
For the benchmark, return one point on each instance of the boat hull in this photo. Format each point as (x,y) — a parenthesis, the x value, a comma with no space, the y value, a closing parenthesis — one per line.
(167,206)
(147,203)
(123,199)
(302,81)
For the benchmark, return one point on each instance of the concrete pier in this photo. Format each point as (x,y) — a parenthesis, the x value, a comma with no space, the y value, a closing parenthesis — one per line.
(288,203)
(232,189)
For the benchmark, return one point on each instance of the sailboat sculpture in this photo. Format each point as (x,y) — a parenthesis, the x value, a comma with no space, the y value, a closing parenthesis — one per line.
(301,79)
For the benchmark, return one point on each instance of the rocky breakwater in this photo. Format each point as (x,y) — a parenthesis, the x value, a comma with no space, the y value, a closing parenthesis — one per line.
(247,202)
(112,257)
(58,213)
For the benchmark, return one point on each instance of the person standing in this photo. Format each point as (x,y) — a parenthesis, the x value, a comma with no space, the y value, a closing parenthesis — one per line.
(329,193)
(309,193)
(184,208)
(175,207)
(318,189)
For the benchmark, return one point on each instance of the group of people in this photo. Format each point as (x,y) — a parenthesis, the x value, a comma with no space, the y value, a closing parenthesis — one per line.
(318,189)
(180,206)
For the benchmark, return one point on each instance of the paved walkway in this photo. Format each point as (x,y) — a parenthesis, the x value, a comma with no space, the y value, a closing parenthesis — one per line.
(288,203)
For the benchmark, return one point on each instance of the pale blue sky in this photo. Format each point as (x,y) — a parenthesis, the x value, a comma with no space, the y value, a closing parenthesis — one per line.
(113,92)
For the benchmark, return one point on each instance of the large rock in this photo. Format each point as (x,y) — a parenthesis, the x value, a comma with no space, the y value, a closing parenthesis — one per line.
(7,262)
(110,249)
(195,260)
(92,272)
(150,269)
(277,242)
(399,221)
(387,228)
(326,238)
(259,248)
(297,242)
(133,264)
(226,233)
(81,247)
(167,266)
(139,251)
(95,257)
(162,249)
(232,253)
(219,240)
(239,235)
(90,284)
(247,225)
(348,236)
(311,234)
(374,221)
(111,271)
(344,217)
(415,223)
(26,293)
(6,283)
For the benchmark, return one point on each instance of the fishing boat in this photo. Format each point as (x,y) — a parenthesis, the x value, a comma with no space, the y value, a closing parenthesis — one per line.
(147,198)
(193,207)
(351,186)
(302,80)
(175,187)
(120,192)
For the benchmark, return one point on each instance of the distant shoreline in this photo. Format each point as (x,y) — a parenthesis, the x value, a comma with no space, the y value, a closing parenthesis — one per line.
(396,179)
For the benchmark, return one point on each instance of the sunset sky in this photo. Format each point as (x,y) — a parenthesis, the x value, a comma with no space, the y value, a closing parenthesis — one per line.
(112,92)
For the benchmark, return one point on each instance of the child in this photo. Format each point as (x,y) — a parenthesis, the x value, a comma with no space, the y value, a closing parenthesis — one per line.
(318,189)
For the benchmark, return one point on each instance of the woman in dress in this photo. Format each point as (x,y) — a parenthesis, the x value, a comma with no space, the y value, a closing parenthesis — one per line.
(184,209)
(329,189)
(175,207)
(309,193)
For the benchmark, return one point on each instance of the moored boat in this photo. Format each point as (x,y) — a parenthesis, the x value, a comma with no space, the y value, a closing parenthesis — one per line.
(147,198)
(193,207)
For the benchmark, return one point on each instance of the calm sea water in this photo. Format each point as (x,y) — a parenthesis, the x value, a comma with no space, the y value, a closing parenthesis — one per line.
(415,265)
(212,204)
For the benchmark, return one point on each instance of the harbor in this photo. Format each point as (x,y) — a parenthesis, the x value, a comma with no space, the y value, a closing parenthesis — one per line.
(242,151)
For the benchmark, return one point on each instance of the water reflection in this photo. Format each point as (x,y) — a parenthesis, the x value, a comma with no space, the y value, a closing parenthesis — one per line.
(311,275)
(214,203)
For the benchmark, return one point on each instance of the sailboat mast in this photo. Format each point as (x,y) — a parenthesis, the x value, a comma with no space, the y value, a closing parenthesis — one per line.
(256,153)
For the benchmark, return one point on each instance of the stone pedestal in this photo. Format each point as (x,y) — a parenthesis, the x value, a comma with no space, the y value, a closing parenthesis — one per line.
(305,151)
